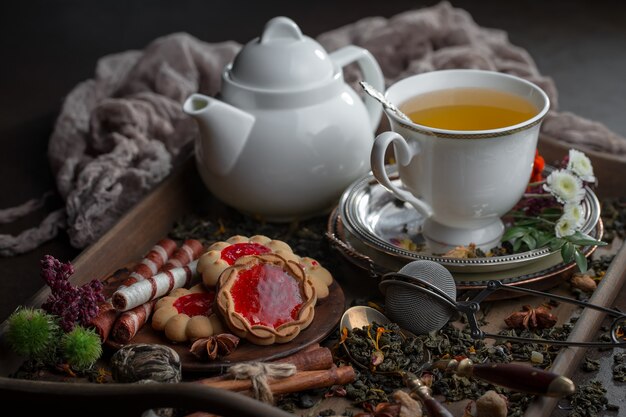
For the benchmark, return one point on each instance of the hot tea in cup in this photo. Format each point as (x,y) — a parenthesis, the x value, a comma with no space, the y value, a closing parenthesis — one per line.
(468,109)
(466,157)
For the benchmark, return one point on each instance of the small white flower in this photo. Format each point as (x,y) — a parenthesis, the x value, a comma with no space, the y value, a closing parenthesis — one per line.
(566,226)
(580,165)
(565,186)
(575,212)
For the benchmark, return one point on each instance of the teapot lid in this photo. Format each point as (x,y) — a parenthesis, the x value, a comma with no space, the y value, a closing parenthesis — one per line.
(282,58)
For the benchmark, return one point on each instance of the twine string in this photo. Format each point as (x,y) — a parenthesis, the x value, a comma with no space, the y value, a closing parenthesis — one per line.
(258,373)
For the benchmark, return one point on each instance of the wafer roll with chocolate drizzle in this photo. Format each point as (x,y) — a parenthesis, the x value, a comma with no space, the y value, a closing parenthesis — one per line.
(158,255)
(189,251)
(162,283)
(130,322)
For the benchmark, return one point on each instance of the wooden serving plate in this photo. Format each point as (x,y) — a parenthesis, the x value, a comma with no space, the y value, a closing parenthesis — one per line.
(328,312)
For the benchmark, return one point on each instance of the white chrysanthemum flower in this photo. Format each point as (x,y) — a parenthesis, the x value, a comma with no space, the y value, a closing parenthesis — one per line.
(580,165)
(574,212)
(566,226)
(565,186)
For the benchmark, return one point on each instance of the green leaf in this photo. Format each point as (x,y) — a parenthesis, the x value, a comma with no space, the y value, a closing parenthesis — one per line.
(567,252)
(530,241)
(556,244)
(527,222)
(516,245)
(552,211)
(543,239)
(581,260)
(584,240)
(513,233)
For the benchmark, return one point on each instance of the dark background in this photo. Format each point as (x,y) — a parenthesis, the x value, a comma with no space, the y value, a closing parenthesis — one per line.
(47,47)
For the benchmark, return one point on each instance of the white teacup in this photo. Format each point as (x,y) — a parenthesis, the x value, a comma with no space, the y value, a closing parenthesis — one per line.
(462,182)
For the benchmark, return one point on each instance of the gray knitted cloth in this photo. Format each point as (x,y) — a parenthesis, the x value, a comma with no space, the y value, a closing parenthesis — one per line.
(120,133)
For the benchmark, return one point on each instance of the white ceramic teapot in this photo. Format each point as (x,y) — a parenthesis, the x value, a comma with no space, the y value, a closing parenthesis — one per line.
(287,135)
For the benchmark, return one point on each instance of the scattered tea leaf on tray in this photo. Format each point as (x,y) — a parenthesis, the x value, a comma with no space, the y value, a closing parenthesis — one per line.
(306,238)
(613,213)
(590,365)
(589,400)
(619,367)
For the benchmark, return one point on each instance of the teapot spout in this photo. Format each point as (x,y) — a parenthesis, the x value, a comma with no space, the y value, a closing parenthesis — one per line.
(224,132)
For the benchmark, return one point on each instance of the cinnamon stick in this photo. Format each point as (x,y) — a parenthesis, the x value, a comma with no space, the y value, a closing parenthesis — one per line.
(311,358)
(149,265)
(300,381)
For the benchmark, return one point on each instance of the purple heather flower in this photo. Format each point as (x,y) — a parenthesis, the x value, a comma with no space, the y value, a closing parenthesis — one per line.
(73,305)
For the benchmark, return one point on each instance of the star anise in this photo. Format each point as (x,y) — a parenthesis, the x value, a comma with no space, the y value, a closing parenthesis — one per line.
(214,347)
(531,318)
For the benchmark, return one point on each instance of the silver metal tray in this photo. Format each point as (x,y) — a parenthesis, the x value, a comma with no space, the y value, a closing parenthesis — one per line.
(543,274)
(375,221)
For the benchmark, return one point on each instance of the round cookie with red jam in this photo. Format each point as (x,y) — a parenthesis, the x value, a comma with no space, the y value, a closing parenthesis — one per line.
(187,314)
(320,277)
(266,299)
(221,255)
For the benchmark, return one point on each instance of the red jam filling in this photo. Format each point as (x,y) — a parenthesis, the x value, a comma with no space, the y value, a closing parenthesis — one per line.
(266,295)
(196,304)
(233,252)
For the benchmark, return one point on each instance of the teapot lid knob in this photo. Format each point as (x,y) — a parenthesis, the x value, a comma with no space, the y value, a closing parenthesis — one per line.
(280,28)
(281,59)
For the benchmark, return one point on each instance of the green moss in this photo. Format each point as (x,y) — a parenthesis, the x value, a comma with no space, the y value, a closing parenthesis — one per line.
(32,333)
(81,348)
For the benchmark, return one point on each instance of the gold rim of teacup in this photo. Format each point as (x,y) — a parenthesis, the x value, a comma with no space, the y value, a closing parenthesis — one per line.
(469,135)
(531,122)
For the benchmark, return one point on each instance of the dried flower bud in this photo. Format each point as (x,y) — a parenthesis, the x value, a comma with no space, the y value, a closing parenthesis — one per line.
(133,363)
(408,405)
(536,357)
(377,357)
(491,404)
(583,282)
(462,252)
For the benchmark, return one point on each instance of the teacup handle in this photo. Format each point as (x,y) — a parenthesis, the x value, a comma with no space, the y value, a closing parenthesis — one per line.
(403,155)
(372,74)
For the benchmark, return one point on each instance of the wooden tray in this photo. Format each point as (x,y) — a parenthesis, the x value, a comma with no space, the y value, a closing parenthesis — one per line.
(153,218)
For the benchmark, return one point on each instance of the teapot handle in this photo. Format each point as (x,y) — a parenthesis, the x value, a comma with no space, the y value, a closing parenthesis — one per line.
(372,74)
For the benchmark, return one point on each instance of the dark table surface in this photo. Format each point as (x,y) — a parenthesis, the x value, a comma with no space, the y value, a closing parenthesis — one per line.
(47,47)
